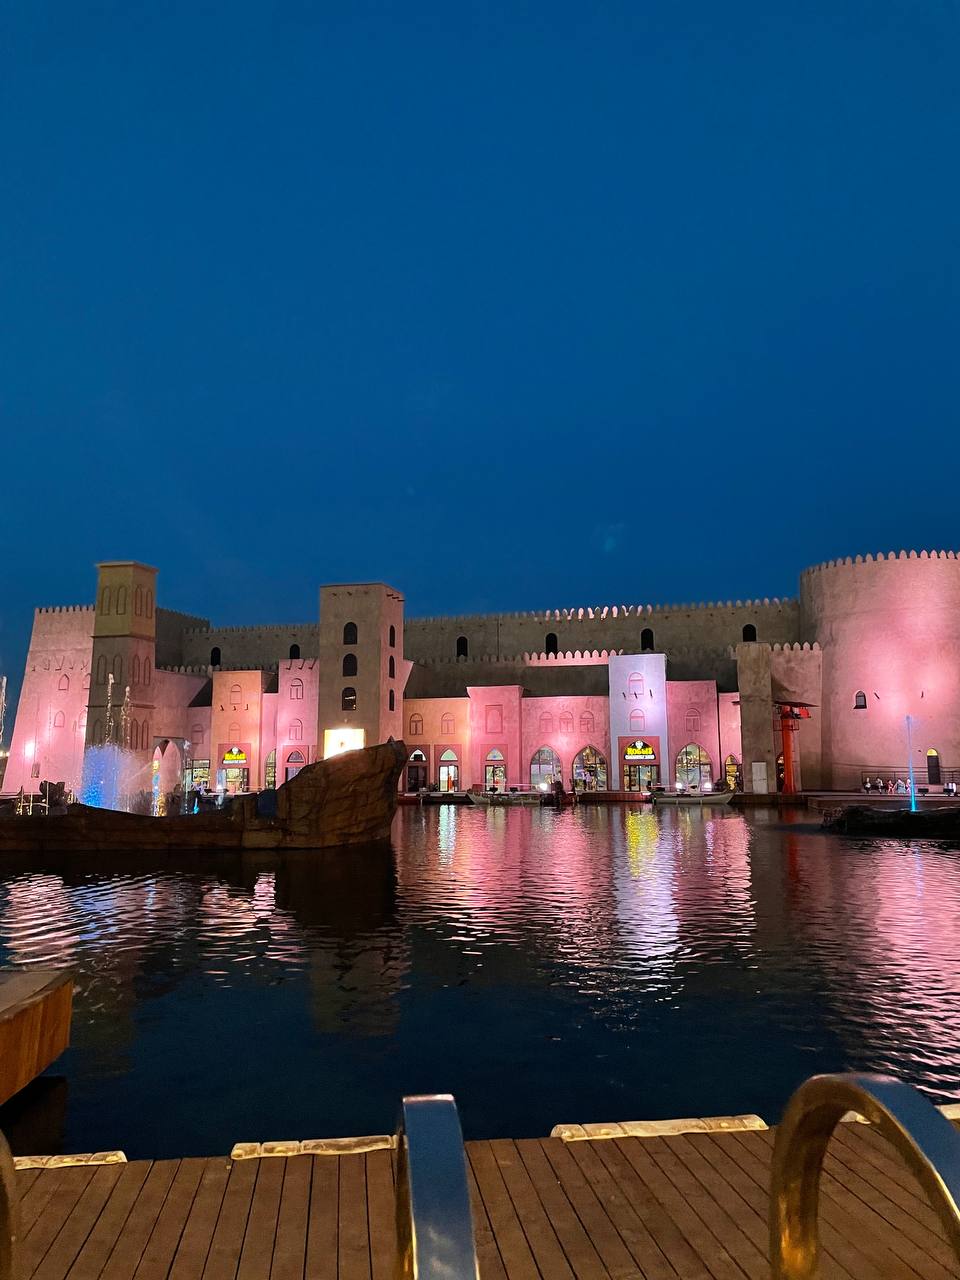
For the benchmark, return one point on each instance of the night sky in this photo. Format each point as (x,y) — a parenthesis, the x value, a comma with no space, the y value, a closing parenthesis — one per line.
(512,306)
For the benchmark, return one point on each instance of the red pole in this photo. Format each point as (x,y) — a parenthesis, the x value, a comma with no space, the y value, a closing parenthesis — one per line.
(786,733)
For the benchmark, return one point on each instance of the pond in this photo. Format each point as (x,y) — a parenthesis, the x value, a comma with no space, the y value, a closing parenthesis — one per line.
(608,963)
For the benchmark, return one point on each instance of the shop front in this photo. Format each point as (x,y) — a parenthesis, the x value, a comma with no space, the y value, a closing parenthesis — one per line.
(233,771)
(641,763)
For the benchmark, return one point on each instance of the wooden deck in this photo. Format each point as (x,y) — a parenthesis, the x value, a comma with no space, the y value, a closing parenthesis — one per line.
(35,1011)
(679,1208)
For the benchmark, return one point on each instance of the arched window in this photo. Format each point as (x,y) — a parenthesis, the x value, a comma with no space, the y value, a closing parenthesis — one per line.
(392,668)
(121,599)
(134,736)
(105,600)
(349,664)
(102,669)
(933,767)
(296,757)
(59,720)
(859,701)
(693,768)
(82,722)
(635,685)
(296,730)
(590,770)
(586,722)
(749,632)
(350,633)
(463,647)
(117,669)
(138,601)
(348,699)
(550,642)
(85,682)
(566,722)
(447,725)
(63,684)
(416,726)
(691,721)
(393,636)
(215,656)
(135,669)
(638,721)
(236,696)
(149,598)
(545,768)
(646,640)
(196,735)
(294,651)
(546,722)
(296,690)
(391,701)
(146,671)
(449,771)
(144,735)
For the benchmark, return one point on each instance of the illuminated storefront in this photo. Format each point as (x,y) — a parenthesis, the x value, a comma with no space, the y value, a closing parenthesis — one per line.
(641,765)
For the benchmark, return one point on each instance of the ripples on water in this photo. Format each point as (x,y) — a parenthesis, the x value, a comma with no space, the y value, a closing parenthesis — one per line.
(597,964)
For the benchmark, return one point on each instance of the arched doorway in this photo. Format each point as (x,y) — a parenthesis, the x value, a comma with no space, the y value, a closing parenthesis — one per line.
(449,771)
(545,769)
(417,771)
(933,767)
(589,770)
(270,771)
(495,771)
(694,771)
(732,776)
(295,762)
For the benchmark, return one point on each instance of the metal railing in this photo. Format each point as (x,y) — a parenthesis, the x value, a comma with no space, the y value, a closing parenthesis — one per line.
(435,1239)
(927,1141)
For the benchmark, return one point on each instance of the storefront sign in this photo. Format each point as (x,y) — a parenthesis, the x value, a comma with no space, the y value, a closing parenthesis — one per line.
(640,752)
(235,756)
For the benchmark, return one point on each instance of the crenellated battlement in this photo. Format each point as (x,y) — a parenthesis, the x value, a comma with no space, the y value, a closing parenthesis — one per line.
(257,629)
(601,613)
(877,557)
(186,671)
(201,621)
(65,608)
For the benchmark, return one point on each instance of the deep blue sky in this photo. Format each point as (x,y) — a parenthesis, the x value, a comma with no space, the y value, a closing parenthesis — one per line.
(513,305)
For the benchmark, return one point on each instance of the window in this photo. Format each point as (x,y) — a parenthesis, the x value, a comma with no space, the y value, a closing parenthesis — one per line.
(63,684)
(393,636)
(105,600)
(546,722)
(586,722)
(638,721)
(144,735)
(447,725)
(635,685)
(85,682)
(234,732)
(294,651)
(296,757)
(693,768)
(236,696)
(550,643)
(296,690)
(102,669)
(149,599)
(566,722)
(590,770)
(449,772)
(416,726)
(138,601)
(545,768)
(121,599)
(349,664)
(196,735)
(463,647)
(749,632)
(934,777)
(146,671)
(135,669)
(134,736)
(691,721)
(493,719)
(350,633)
(59,720)
(860,701)
(270,770)
(392,668)
(117,669)
(215,656)
(348,699)
(296,731)
(646,640)
(392,701)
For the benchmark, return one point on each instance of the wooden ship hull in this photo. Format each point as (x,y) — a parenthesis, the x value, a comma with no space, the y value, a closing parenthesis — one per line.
(348,800)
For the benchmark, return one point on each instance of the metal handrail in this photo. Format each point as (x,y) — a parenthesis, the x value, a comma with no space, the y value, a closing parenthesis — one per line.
(9,1213)
(434,1223)
(925,1138)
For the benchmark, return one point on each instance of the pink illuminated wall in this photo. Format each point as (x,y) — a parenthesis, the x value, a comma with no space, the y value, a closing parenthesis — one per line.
(435,725)
(495,725)
(567,725)
(730,744)
(295,713)
(692,717)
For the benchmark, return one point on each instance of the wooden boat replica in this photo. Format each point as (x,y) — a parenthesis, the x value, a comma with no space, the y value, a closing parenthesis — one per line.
(516,798)
(348,800)
(691,797)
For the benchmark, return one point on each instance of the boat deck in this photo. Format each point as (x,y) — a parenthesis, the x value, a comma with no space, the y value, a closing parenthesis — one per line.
(691,1207)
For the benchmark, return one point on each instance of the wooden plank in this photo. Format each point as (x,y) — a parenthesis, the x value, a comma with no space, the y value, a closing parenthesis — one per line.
(381,1215)
(488,1251)
(512,1244)
(126,1254)
(47,1225)
(290,1245)
(162,1245)
(353,1251)
(35,1011)
(876,1159)
(261,1229)
(92,1258)
(621,1240)
(324,1213)
(25,1178)
(191,1256)
(537,1227)
(71,1237)
(35,1201)
(577,1246)
(224,1252)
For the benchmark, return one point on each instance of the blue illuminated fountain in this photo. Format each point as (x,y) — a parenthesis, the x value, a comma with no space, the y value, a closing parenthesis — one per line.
(110,769)
(913,785)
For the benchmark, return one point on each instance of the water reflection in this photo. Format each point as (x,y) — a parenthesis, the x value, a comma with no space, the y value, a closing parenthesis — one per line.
(545,966)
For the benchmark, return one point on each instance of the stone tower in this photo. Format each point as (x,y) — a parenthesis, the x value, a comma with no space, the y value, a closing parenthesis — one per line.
(124,646)
(361,664)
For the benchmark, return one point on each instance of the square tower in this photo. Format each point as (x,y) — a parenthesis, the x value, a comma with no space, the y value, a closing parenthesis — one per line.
(124,648)
(361,649)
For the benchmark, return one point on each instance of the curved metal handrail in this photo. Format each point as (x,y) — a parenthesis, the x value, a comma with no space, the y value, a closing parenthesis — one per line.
(434,1223)
(9,1213)
(926,1139)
